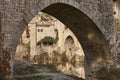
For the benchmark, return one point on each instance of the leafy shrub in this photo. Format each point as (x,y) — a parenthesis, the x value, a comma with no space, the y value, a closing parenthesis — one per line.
(47,40)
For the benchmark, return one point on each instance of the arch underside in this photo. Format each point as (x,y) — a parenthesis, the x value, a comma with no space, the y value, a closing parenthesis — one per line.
(88,34)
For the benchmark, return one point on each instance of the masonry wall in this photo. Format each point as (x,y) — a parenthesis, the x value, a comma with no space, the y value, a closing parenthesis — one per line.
(116,48)
(101,12)
(16,14)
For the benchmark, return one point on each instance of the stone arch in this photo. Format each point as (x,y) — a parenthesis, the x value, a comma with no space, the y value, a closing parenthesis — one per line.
(71,14)
(33,7)
(82,26)
(46,6)
(91,38)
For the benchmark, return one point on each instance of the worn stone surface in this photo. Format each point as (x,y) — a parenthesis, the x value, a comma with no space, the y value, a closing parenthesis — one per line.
(16,14)
(5,66)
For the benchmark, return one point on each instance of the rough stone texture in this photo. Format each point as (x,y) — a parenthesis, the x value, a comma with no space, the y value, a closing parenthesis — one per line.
(5,64)
(116,48)
(16,14)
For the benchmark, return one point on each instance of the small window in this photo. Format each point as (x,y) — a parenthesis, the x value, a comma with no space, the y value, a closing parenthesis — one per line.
(27,33)
(41,30)
(38,30)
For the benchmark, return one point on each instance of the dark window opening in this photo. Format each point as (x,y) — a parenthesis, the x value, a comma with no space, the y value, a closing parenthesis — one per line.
(27,32)
(38,30)
(41,30)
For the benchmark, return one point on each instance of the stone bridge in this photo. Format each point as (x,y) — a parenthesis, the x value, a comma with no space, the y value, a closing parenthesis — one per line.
(94,22)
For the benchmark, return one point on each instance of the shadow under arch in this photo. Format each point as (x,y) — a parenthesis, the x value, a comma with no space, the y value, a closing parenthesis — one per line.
(87,32)
(89,35)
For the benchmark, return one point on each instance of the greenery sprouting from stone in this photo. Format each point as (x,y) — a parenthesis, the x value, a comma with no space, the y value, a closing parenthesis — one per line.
(48,40)
(57,38)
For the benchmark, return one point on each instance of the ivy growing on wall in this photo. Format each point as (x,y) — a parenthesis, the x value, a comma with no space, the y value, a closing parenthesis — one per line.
(48,40)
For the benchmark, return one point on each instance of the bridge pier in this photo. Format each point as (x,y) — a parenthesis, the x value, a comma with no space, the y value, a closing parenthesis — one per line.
(5,65)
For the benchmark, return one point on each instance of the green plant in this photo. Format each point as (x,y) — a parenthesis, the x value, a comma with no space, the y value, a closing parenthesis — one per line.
(48,40)
(57,38)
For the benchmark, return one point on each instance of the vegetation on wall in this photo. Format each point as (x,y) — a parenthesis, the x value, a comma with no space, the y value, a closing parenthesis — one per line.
(57,38)
(48,40)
